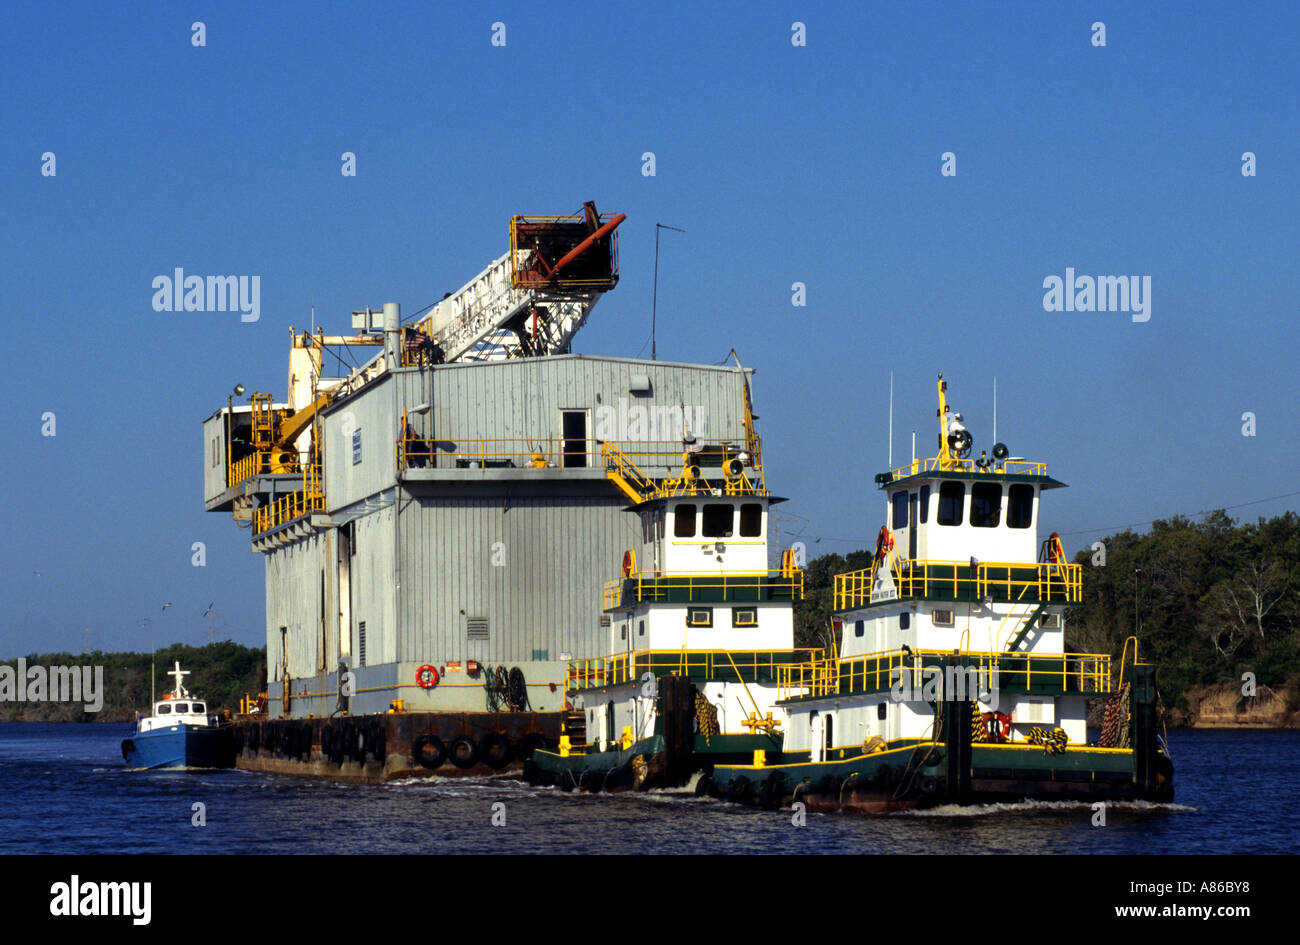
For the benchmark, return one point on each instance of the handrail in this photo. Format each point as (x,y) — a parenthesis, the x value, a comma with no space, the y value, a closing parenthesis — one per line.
(657,585)
(262,462)
(286,508)
(628,666)
(875,672)
(1010,580)
(640,486)
(1007,467)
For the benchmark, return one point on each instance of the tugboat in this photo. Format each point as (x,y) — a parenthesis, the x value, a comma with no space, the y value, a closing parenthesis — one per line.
(180,734)
(952,683)
(696,641)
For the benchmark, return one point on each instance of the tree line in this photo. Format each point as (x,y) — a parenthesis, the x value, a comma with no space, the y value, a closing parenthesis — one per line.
(220,673)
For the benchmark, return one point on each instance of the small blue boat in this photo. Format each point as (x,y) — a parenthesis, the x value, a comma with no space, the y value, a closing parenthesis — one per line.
(181,733)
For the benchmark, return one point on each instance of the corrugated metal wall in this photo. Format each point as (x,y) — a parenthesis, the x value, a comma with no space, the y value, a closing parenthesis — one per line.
(214,456)
(293,586)
(530,557)
(523,399)
(371,414)
(534,569)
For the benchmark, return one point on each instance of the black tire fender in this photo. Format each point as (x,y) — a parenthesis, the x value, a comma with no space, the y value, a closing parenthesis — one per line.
(495,750)
(429,751)
(463,752)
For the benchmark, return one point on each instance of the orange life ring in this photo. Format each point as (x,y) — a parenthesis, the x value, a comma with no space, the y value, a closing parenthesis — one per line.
(884,542)
(426,677)
(997,726)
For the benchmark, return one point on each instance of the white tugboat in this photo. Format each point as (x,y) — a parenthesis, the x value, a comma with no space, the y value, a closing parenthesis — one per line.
(696,640)
(952,683)
(181,733)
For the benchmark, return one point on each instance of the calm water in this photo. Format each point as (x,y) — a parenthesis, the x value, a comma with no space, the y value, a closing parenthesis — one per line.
(63,789)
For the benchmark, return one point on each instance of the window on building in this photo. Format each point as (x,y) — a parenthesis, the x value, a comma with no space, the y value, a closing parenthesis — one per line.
(900,510)
(751,520)
(744,617)
(986,504)
(925,504)
(684,522)
(952,496)
(699,616)
(1020,506)
(717,520)
(356,447)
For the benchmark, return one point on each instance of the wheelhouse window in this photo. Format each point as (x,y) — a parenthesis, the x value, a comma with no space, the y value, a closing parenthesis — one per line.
(751,520)
(684,522)
(182,707)
(699,616)
(1020,506)
(986,504)
(165,709)
(198,708)
(900,510)
(925,504)
(952,496)
(718,520)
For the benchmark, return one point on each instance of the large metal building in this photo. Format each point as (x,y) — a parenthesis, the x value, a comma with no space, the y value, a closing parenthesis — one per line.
(467,520)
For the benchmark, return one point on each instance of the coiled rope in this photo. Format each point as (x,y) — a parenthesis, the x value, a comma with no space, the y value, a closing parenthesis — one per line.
(1116,725)
(1054,743)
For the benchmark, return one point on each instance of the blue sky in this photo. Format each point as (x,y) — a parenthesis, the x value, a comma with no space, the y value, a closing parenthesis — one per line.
(817,164)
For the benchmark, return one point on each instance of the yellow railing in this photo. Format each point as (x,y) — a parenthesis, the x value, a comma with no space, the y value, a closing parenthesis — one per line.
(723,665)
(625,459)
(262,463)
(706,586)
(1018,582)
(510,453)
(294,505)
(878,672)
(1008,467)
(639,485)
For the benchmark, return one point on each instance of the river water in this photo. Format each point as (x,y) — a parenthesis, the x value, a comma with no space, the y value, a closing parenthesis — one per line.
(64,789)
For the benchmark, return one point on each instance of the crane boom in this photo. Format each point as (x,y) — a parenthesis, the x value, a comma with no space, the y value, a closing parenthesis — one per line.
(531,300)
